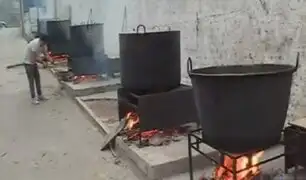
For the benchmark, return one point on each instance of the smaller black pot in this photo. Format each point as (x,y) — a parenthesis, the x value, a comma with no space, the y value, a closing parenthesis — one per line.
(150,61)
(242,108)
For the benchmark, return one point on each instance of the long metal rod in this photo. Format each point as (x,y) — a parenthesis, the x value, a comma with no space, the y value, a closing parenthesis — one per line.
(258,164)
(241,155)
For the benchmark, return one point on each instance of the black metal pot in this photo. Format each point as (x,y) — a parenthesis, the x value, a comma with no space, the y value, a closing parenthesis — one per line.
(150,61)
(242,108)
(57,30)
(87,40)
(58,34)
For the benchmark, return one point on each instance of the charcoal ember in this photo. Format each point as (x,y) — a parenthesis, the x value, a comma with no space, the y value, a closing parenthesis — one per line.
(167,141)
(176,138)
(276,174)
(157,140)
(145,143)
(125,140)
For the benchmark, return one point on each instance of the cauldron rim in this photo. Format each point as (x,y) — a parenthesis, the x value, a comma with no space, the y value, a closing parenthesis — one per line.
(55,20)
(148,33)
(242,70)
(78,25)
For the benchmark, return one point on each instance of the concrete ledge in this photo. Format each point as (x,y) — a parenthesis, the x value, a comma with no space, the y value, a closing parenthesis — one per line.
(165,161)
(88,88)
(111,95)
(84,89)
(92,117)
(154,163)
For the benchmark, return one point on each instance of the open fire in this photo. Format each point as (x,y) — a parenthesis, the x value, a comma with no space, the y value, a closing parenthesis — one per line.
(243,162)
(58,58)
(84,78)
(132,132)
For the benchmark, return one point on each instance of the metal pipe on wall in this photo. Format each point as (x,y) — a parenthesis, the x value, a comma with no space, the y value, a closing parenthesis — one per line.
(22,18)
(70,12)
(55,9)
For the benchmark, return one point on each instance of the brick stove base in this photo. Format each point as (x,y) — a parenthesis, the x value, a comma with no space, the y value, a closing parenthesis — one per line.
(150,163)
(170,162)
(156,163)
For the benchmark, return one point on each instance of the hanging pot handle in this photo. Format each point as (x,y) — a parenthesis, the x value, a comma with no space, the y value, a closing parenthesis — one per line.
(297,62)
(156,27)
(143,27)
(189,66)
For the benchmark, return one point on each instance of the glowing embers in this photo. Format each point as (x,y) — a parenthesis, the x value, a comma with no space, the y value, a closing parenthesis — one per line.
(84,78)
(245,167)
(153,137)
(58,58)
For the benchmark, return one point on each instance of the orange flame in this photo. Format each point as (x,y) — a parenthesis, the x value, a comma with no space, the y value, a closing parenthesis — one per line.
(241,163)
(132,120)
(133,132)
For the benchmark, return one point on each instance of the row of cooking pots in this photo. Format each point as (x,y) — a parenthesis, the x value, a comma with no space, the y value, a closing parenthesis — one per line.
(240,107)
(76,40)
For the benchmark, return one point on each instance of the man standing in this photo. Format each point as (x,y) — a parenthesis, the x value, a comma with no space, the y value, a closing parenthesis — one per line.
(36,52)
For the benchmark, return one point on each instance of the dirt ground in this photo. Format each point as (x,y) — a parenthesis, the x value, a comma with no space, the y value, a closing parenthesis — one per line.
(51,141)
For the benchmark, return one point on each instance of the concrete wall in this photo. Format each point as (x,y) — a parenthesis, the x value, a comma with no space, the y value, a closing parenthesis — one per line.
(99,11)
(81,11)
(213,32)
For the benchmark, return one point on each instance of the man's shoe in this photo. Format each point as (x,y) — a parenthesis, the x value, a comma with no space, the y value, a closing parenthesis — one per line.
(35,101)
(42,98)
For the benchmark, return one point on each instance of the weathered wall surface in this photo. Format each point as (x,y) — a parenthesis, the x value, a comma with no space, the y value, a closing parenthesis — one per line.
(81,11)
(213,32)
(109,12)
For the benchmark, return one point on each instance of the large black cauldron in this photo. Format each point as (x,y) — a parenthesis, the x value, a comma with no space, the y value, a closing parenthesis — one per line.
(150,61)
(242,108)
(87,40)
(57,30)
(58,33)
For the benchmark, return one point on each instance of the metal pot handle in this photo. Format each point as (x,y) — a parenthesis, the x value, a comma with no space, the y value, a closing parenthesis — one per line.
(297,62)
(189,66)
(143,27)
(156,27)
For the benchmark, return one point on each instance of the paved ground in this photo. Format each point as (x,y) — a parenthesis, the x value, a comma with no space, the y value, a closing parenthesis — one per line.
(52,141)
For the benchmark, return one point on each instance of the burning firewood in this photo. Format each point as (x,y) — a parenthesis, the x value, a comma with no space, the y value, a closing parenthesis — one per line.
(153,137)
(110,137)
(241,163)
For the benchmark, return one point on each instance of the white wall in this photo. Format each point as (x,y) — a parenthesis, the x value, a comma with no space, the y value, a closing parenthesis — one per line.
(226,32)
(235,32)
(80,10)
